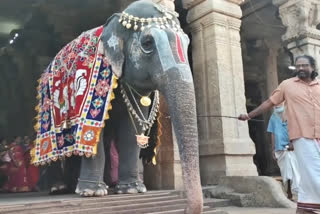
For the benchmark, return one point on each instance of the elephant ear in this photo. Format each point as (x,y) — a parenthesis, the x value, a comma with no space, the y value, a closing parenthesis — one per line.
(112,39)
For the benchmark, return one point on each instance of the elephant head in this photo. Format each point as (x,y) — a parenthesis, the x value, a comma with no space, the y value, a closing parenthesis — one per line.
(147,49)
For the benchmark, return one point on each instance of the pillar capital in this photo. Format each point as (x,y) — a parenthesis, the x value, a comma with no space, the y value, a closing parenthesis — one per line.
(226,8)
(187,4)
(300,17)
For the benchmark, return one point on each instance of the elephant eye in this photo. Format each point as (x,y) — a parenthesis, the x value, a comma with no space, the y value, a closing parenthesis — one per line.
(147,44)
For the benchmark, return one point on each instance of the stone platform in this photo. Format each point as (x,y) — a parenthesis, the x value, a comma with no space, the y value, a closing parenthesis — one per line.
(156,202)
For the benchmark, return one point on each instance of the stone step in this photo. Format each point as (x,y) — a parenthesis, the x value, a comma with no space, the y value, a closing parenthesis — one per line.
(106,205)
(206,210)
(105,201)
(214,202)
(179,208)
(214,212)
(151,202)
(44,199)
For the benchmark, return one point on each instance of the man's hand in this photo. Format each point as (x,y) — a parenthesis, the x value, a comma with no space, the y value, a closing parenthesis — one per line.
(290,148)
(243,117)
(265,106)
(274,156)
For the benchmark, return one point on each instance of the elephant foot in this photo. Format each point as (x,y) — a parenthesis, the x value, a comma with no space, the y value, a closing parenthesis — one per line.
(131,188)
(58,189)
(90,188)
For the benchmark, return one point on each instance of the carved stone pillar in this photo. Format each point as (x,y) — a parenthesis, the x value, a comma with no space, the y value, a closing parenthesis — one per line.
(225,146)
(301,19)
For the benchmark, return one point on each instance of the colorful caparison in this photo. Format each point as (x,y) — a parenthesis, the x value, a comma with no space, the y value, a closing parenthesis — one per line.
(74,94)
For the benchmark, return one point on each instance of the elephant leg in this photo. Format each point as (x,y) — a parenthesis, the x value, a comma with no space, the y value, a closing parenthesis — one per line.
(90,182)
(128,150)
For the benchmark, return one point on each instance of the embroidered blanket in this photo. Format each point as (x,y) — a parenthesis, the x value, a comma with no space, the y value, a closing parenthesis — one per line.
(74,94)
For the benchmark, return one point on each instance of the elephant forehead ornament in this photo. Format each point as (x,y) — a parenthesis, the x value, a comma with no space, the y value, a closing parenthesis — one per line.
(138,23)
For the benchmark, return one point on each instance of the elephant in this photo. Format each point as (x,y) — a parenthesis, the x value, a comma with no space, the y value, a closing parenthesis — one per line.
(145,50)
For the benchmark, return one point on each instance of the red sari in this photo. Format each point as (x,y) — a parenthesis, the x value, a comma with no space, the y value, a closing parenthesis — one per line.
(32,170)
(16,171)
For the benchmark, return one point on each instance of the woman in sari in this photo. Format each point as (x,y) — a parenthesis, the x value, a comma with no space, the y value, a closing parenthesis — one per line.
(16,169)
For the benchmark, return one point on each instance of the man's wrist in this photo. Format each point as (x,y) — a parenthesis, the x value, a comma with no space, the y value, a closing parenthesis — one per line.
(249,118)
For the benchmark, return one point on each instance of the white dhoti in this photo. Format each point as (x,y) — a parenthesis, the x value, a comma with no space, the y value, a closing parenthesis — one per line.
(308,156)
(288,165)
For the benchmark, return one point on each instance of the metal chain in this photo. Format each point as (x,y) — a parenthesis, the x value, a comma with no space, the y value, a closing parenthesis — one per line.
(146,124)
(132,121)
(135,91)
(138,107)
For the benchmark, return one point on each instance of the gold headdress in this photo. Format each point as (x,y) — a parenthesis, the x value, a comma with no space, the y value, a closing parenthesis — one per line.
(138,23)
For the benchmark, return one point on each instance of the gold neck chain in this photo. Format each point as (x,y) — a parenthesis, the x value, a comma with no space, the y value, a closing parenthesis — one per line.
(144,100)
(146,124)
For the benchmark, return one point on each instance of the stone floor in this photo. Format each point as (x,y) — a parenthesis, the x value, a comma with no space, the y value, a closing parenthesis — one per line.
(156,202)
(245,210)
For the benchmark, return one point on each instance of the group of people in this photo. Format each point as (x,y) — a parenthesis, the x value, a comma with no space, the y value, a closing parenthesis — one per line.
(301,98)
(17,174)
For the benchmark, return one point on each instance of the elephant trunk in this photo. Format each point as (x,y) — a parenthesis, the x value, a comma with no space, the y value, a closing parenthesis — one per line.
(179,93)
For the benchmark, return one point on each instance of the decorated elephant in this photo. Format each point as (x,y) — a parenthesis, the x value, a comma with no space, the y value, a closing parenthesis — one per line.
(111,77)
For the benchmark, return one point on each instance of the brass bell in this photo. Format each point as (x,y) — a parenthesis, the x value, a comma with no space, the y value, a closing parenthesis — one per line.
(64,125)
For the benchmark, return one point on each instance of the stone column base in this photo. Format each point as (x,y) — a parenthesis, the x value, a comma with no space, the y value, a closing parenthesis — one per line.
(250,191)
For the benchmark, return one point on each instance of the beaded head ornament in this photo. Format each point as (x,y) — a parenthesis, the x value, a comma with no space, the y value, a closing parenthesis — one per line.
(139,24)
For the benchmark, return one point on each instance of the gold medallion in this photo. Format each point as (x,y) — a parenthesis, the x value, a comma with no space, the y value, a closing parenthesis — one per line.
(145,101)
(142,141)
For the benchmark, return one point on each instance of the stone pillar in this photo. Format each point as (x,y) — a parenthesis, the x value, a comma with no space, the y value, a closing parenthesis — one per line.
(301,19)
(271,83)
(225,146)
(272,66)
